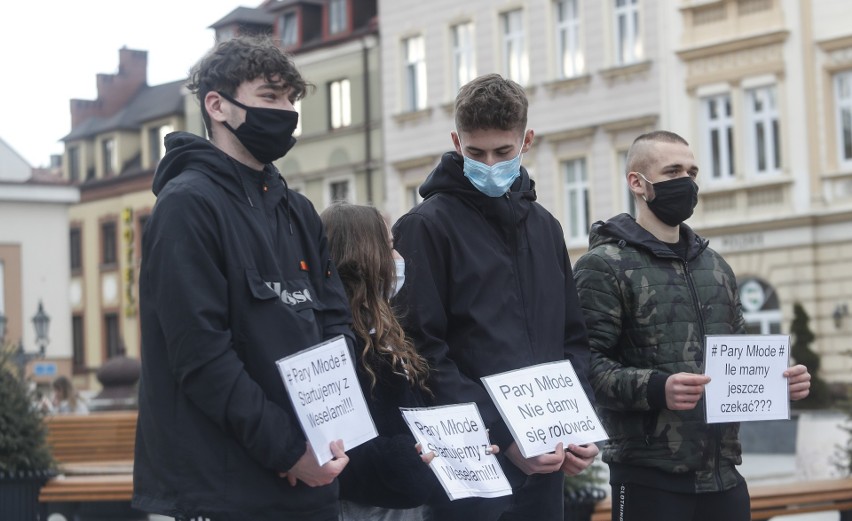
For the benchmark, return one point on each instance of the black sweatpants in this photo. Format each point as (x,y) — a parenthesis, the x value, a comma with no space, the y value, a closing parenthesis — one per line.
(631,502)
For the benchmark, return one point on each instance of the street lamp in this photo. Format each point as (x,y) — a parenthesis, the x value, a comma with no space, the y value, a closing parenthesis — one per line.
(41,322)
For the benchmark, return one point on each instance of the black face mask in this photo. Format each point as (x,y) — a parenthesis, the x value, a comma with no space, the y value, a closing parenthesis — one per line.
(267,134)
(674,200)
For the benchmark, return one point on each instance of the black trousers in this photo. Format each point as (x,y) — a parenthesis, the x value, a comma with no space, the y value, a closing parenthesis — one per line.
(632,502)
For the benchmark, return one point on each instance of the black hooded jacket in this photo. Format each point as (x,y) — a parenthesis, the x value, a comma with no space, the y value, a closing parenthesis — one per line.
(235,275)
(488,288)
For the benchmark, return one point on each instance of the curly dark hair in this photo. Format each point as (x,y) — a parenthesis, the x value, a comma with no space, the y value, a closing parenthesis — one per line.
(241,59)
(491,102)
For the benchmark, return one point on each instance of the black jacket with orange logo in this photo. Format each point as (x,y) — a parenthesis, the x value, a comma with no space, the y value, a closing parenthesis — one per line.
(235,275)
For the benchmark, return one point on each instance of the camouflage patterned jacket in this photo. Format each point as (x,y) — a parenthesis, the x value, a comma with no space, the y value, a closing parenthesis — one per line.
(647,312)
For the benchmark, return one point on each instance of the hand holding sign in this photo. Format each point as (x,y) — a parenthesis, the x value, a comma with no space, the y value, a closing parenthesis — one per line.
(463,460)
(308,471)
(747,380)
(545,405)
(799,381)
(683,390)
(327,398)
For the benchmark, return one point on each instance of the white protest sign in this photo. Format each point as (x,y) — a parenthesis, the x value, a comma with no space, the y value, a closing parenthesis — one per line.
(457,436)
(543,405)
(746,377)
(326,396)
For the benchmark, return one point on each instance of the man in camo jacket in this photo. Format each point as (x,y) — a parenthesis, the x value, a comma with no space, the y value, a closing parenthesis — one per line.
(650,289)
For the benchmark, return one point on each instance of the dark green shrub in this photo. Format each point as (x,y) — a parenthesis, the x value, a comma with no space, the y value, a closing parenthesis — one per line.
(820,395)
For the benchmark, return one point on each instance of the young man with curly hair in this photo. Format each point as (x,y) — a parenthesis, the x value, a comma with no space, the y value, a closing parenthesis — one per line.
(235,275)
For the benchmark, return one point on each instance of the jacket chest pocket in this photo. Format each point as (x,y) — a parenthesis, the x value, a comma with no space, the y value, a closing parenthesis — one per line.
(281,297)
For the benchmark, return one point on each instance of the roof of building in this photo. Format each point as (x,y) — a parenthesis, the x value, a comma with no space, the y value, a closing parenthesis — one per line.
(150,103)
(245,15)
(273,5)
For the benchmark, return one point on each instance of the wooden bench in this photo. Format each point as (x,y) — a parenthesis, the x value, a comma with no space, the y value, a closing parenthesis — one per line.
(95,457)
(768,501)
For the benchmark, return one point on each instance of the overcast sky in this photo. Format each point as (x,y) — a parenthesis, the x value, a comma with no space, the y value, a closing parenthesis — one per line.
(51,51)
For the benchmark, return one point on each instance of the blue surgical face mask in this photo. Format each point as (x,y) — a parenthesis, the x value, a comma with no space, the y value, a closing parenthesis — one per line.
(494,180)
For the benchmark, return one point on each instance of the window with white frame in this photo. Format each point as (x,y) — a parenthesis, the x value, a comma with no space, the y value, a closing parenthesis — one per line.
(340,103)
(339,190)
(576,199)
(336,16)
(74,164)
(628,41)
(762,129)
(112,335)
(414,73)
(109,243)
(718,135)
(297,106)
(629,200)
(157,142)
(288,30)
(75,240)
(843,102)
(412,196)
(761,309)
(515,63)
(109,156)
(78,345)
(569,55)
(464,68)
(226,33)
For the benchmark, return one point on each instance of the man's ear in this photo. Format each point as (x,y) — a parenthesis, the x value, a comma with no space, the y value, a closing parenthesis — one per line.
(637,185)
(215,107)
(528,141)
(456,142)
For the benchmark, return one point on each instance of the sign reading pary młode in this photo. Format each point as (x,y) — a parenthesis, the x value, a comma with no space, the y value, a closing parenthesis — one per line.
(457,436)
(326,396)
(746,377)
(543,405)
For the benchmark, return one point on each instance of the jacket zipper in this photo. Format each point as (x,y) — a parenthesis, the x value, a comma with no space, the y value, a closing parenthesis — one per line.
(717,432)
(516,265)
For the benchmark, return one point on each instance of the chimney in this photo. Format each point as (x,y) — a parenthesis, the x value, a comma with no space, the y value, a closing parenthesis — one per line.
(114,90)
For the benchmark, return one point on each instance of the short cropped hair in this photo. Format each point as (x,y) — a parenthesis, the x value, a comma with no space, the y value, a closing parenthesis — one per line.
(491,102)
(241,59)
(638,155)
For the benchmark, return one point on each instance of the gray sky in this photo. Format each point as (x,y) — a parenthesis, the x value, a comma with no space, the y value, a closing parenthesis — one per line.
(51,50)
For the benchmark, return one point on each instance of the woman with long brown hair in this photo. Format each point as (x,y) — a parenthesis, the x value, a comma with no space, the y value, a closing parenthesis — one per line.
(386,478)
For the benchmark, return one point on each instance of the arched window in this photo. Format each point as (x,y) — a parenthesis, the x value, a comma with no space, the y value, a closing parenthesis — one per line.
(761,310)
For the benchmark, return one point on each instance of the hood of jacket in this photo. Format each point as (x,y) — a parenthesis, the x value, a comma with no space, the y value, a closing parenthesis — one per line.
(505,213)
(185,151)
(623,229)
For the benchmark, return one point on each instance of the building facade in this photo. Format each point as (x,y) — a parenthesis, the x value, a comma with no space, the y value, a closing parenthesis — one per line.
(335,45)
(116,142)
(762,89)
(594,73)
(33,263)
(766,102)
(114,145)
